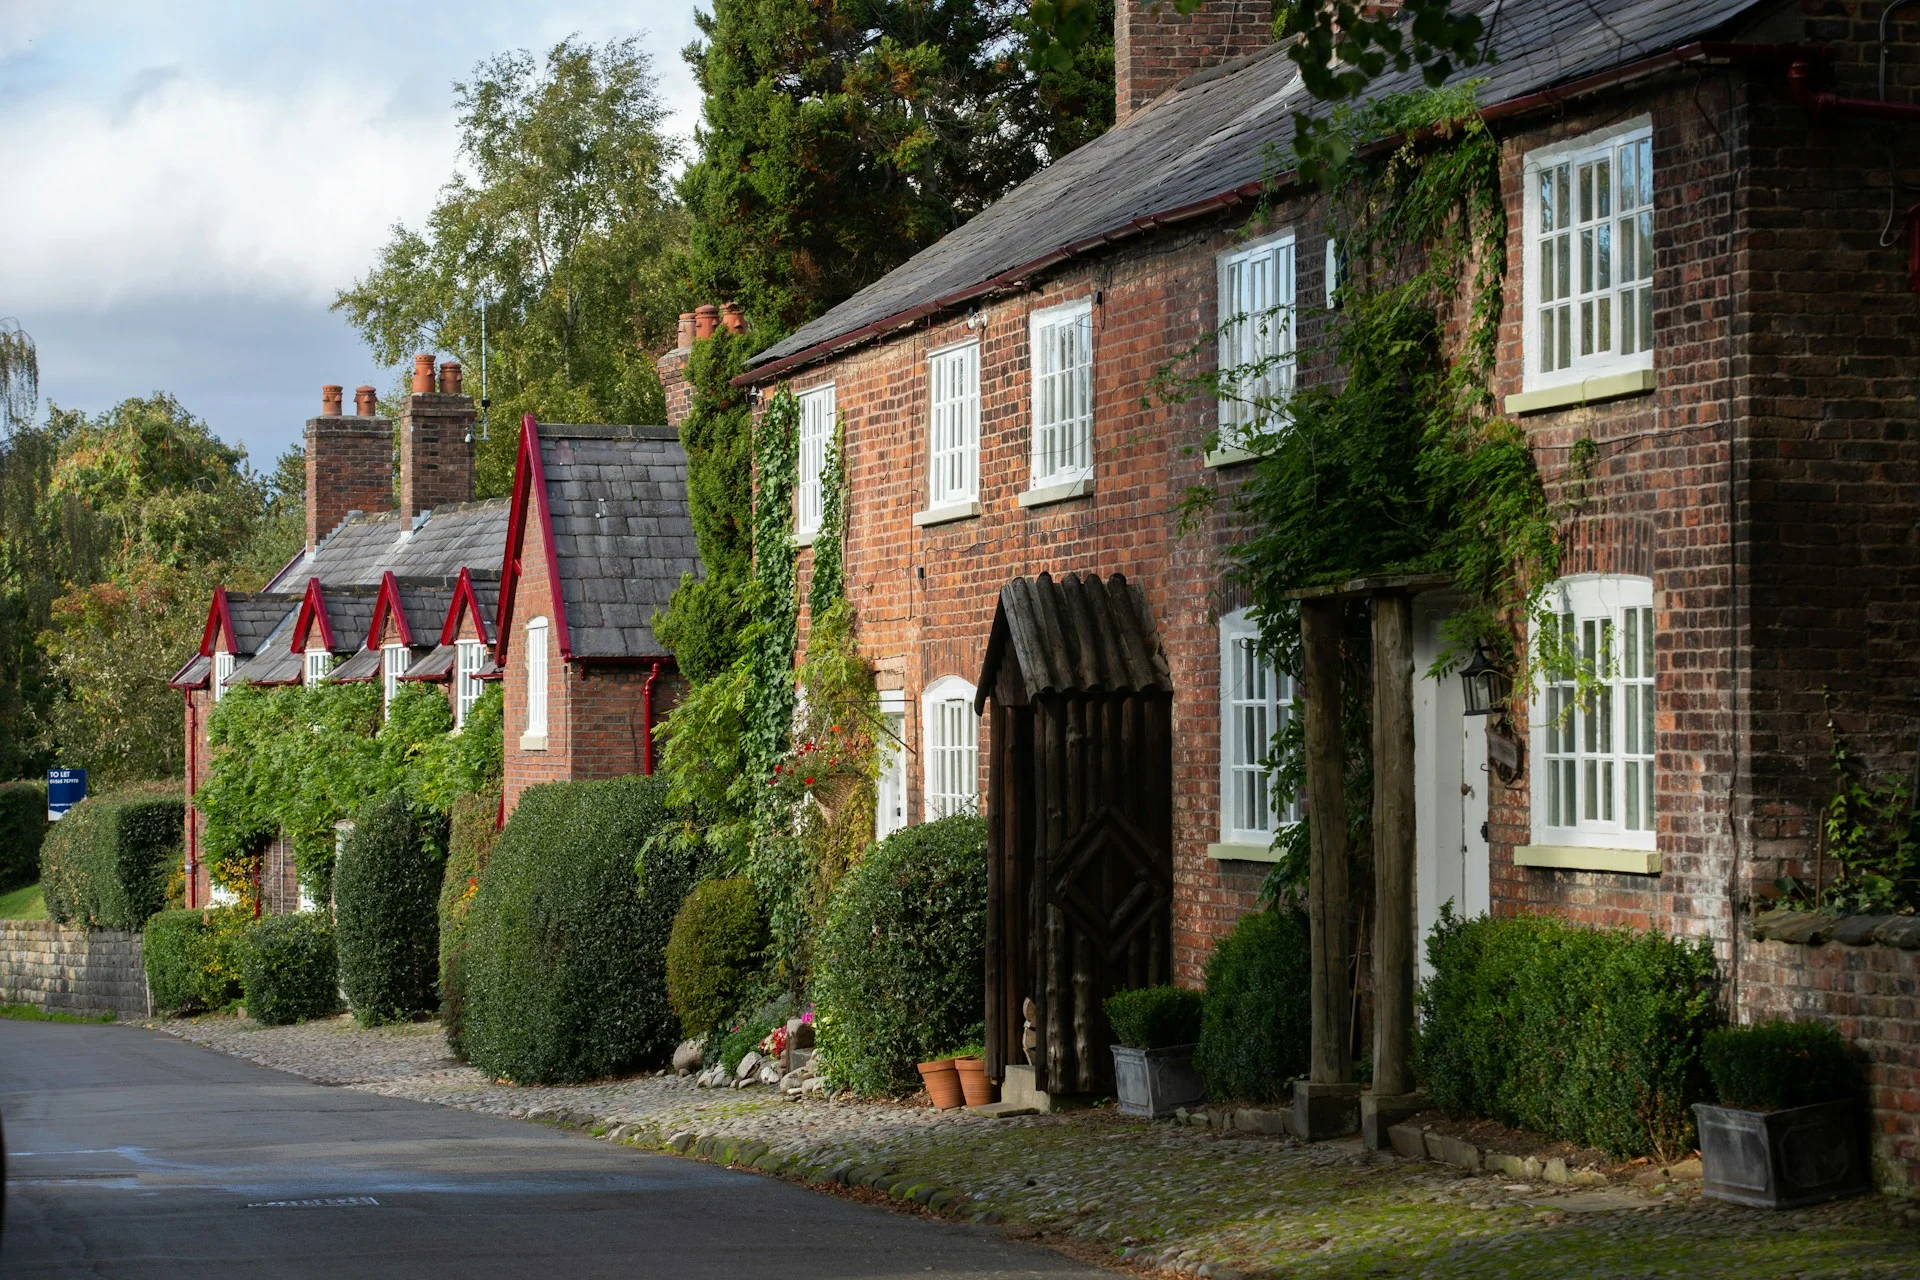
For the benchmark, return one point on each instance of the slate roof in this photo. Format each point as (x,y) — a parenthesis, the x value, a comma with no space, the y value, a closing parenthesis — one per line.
(193,675)
(622,536)
(255,614)
(433,664)
(364,546)
(362,666)
(349,613)
(1077,635)
(1223,129)
(273,662)
(425,602)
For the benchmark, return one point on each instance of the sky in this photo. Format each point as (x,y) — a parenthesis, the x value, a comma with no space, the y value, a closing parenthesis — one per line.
(186,185)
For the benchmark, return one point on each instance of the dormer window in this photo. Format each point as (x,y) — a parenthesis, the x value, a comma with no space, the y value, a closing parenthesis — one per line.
(470,657)
(223,665)
(393,664)
(318,663)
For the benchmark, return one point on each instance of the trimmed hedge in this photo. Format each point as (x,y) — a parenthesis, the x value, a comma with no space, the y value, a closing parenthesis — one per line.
(713,951)
(565,968)
(1155,1017)
(1257,1024)
(1595,1036)
(1778,1064)
(106,864)
(386,887)
(23,826)
(469,845)
(192,958)
(900,968)
(288,970)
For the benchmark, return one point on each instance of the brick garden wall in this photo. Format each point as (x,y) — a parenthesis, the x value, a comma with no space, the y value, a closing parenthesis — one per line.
(1871,995)
(70,970)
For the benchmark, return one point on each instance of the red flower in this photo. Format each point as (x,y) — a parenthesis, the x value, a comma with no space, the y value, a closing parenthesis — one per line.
(809,781)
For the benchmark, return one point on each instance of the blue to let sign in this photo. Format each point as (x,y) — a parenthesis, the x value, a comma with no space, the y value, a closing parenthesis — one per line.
(65,789)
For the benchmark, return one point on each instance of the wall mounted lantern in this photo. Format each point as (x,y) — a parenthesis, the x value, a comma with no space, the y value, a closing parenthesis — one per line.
(1486,686)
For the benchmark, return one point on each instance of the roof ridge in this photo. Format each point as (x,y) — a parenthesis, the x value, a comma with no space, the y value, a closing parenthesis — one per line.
(606,431)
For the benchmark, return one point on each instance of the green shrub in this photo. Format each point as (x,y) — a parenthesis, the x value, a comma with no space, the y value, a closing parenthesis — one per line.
(716,944)
(385,889)
(1589,1035)
(565,969)
(1257,1021)
(192,958)
(23,825)
(1779,1064)
(106,864)
(1155,1017)
(469,844)
(288,969)
(901,967)
(742,1040)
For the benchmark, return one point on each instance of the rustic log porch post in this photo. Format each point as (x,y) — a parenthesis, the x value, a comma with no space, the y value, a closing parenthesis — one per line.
(1391,1097)
(1324,1104)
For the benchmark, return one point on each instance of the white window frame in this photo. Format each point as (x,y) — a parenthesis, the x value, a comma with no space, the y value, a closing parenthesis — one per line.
(1577,272)
(950,746)
(1258,294)
(223,665)
(536,634)
(1256,700)
(468,657)
(1060,376)
(314,666)
(394,660)
(953,424)
(1587,757)
(890,808)
(815,432)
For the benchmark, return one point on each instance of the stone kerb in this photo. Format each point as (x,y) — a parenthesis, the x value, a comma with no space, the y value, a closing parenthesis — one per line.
(67,970)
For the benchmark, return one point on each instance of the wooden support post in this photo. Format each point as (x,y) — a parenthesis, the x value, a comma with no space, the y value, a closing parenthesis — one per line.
(1393,844)
(1331,1061)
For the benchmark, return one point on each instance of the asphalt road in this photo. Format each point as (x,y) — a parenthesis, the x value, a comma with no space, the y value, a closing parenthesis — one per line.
(133,1154)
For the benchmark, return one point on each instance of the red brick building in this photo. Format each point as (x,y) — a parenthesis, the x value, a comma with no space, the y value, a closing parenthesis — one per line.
(1744,358)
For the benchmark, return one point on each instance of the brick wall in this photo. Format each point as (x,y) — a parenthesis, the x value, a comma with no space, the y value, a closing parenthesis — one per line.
(436,452)
(199,702)
(349,468)
(533,598)
(672,367)
(1155,47)
(1869,995)
(71,970)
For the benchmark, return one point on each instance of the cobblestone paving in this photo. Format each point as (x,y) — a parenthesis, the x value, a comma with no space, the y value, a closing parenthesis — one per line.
(1146,1197)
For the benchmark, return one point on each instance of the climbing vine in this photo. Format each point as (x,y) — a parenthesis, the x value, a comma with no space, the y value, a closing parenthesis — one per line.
(295,760)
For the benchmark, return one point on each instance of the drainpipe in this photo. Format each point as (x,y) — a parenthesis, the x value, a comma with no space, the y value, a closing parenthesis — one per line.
(646,717)
(193,832)
(1822,103)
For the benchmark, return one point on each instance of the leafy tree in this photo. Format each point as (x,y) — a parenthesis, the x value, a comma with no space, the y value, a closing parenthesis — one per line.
(19,376)
(837,140)
(567,228)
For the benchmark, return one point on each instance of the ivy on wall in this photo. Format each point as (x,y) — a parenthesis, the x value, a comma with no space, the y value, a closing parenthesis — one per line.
(295,760)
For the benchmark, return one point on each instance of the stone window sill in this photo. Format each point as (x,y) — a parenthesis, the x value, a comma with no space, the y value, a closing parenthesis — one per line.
(1227,455)
(1610,386)
(1639,862)
(533,742)
(946,513)
(1232,852)
(1051,493)
(804,539)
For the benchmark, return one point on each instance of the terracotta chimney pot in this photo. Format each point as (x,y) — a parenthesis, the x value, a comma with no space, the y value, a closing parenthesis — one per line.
(450,378)
(733,318)
(329,401)
(366,402)
(684,338)
(706,318)
(423,374)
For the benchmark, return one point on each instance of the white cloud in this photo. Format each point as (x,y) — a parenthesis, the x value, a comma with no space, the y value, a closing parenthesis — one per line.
(177,185)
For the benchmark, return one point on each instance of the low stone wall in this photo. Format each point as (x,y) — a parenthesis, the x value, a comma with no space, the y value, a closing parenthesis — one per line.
(72,970)
(1862,975)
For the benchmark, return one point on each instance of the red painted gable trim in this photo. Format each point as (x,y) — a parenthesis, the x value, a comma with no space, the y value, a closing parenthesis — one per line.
(219,622)
(529,494)
(388,602)
(313,607)
(465,600)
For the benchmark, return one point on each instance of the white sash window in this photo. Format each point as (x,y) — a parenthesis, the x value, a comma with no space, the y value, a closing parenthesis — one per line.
(1256,701)
(816,431)
(953,378)
(314,669)
(537,678)
(1256,338)
(469,657)
(222,671)
(1062,339)
(393,663)
(1595,781)
(952,734)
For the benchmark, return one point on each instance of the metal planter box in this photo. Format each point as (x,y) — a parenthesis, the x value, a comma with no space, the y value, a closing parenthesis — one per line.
(1156,1082)
(1782,1159)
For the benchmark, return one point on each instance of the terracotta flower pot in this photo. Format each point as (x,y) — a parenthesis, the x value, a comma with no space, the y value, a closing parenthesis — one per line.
(973,1081)
(943,1083)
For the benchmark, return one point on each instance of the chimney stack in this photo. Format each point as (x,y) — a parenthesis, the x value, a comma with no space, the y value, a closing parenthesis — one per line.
(1155,47)
(436,440)
(366,402)
(349,462)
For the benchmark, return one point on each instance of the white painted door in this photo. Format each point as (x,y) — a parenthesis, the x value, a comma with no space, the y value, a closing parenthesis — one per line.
(890,811)
(1450,793)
